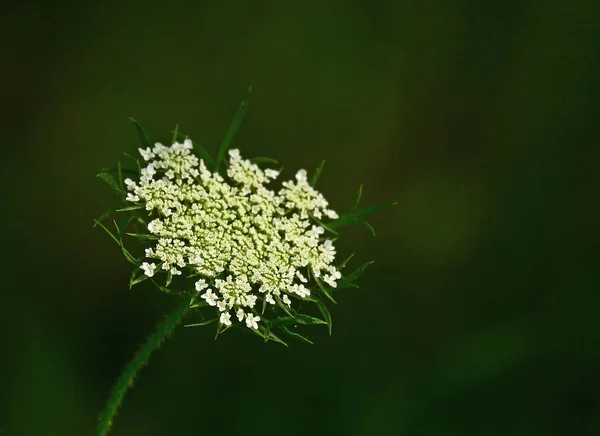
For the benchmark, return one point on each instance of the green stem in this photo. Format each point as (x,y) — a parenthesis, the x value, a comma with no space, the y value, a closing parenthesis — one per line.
(140,358)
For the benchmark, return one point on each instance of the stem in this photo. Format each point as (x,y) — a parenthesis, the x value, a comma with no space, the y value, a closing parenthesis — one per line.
(140,358)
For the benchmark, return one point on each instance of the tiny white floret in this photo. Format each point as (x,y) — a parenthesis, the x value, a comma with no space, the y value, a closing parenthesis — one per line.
(287,301)
(331,279)
(130,184)
(251,321)
(210,297)
(225,318)
(331,214)
(234,154)
(147,154)
(271,174)
(148,268)
(301,175)
(200,285)
(240,314)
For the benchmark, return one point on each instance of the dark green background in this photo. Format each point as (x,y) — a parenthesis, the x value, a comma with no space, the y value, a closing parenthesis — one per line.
(481,315)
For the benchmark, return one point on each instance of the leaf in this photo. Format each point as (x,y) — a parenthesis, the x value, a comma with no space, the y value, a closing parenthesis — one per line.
(325,226)
(130,156)
(353,217)
(134,281)
(357,272)
(164,288)
(104,216)
(192,275)
(233,128)
(107,231)
(143,236)
(288,332)
(130,208)
(123,226)
(260,160)
(125,171)
(308,320)
(345,262)
(273,337)
(194,303)
(175,132)
(315,177)
(129,256)
(262,331)
(298,319)
(219,330)
(204,155)
(368,226)
(350,285)
(119,241)
(110,180)
(347,281)
(357,199)
(203,323)
(141,221)
(142,134)
(264,306)
(326,315)
(324,290)
(134,173)
(120,231)
(377,208)
(282,320)
(283,306)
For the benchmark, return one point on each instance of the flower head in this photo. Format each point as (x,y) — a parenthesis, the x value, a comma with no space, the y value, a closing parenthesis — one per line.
(247,242)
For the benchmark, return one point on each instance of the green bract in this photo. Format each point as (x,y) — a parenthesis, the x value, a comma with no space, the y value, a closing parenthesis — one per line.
(242,253)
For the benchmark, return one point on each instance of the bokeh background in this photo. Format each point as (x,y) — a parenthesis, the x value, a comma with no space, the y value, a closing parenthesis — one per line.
(481,314)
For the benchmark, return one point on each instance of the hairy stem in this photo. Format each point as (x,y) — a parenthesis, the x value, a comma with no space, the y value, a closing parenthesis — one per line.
(140,358)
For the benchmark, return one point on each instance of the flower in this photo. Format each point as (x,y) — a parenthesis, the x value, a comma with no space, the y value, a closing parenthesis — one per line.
(225,318)
(210,298)
(251,321)
(130,183)
(330,279)
(148,173)
(287,301)
(200,285)
(248,243)
(300,290)
(240,314)
(271,174)
(148,268)
(147,154)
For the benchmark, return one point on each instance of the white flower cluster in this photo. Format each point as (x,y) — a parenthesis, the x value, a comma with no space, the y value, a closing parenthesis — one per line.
(248,243)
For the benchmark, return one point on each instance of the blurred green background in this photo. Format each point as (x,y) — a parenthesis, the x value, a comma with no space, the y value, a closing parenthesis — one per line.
(481,314)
